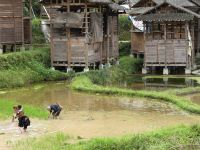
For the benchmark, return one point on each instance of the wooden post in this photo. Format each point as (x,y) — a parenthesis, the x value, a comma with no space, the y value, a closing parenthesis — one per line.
(22,17)
(186,34)
(30,15)
(101,50)
(193,52)
(15,25)
(86,34)
(108,39)
(68,32)
(198,37)
(144,23)
(165,39)
(51,35)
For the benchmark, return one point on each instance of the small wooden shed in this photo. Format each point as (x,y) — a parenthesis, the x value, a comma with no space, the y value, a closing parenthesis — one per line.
(15,26)
(169,35)
(84,33)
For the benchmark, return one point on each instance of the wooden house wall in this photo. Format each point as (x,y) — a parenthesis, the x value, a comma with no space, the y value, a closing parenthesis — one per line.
(137,42)
(172,52)
(112,48)
(77,50)
(60,52)
(11,21)
(27,30)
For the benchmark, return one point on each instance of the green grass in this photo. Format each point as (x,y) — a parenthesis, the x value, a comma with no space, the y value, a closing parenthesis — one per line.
(83,83)
(48,142)
(165,139)
(23,68)
(116,73)
(6,107)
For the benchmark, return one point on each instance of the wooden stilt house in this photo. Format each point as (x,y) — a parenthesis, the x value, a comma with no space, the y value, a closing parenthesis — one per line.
(170,33)
(15,25)
(84,33)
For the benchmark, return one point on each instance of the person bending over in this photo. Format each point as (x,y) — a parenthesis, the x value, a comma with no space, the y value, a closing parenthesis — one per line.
(54,110)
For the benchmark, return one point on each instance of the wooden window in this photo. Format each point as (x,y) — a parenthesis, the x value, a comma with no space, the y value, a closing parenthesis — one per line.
(158,31)
(179,29)
(170,31)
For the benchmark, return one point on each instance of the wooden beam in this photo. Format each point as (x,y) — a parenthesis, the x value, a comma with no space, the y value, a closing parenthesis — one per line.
(145,27)
(86,34)
(108,39)
(186,37)
(22,25)
(30,15)
(68,32)
(193,46)
(51,35)
(165,39)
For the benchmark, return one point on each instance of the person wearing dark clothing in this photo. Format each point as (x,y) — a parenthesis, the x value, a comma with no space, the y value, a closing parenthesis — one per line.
(24,121)
(54,110)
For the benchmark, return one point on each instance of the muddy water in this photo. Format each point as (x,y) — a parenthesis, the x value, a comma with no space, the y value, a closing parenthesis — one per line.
(89,116)
(194,98)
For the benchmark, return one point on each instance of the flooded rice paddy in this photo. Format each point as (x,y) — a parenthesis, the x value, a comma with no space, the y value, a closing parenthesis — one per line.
(154,83)
(89,116)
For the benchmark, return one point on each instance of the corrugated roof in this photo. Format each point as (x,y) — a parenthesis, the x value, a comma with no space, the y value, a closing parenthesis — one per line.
(139,10)
(187,11)
(91,1)
(116,7)
(196,2)
(100,1)
(183,3)
(165,17)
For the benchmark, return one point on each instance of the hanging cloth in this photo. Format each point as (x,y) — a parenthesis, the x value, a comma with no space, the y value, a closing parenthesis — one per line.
(189,52)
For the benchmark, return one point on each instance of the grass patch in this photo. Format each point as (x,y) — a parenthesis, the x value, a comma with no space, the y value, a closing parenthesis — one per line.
(6,107)
(48,142)
(115,74)
(170,138)
(83,83)
(23,68)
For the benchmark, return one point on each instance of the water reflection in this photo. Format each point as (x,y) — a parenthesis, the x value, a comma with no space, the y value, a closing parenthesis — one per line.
(43,95)
(140,82)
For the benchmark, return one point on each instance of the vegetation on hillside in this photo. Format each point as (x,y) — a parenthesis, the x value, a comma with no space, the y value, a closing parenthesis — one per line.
(22,68)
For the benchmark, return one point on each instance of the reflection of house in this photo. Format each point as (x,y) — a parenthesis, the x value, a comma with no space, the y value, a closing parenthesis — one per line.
(15,26)
(170,37)
(84,33)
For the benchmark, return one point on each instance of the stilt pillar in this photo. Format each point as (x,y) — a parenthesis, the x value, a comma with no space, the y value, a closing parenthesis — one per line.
(165,71)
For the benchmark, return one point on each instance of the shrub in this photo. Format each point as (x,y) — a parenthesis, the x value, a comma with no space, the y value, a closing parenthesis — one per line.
(38,36)
(124,28)
(131,65)
(124,49)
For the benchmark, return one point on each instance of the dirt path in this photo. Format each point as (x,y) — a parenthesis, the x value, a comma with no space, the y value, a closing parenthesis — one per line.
(87,125)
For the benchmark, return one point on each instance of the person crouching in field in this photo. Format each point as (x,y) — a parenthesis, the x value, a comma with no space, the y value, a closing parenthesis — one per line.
(15,111)
(54,110)
(24,121)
